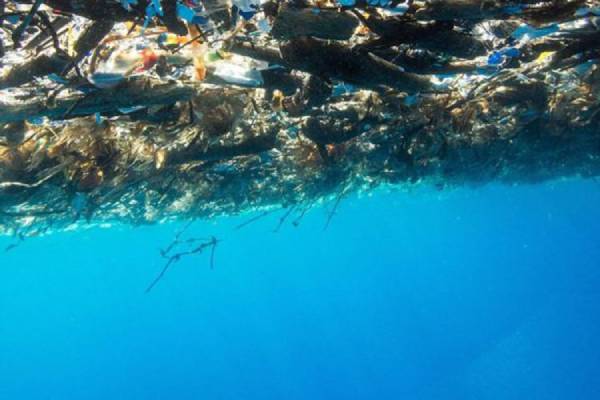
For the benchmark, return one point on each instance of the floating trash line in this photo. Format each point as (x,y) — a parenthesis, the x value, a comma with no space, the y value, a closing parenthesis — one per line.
(146,111)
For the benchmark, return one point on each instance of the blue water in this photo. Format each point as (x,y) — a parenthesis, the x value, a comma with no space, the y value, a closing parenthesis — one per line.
(486,293)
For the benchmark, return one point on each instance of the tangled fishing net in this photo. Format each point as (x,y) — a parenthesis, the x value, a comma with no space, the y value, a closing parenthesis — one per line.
(141,111)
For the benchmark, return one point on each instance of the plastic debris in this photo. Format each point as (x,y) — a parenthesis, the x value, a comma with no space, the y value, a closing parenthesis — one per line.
(194,13)
(502,56)
(143,111)
(238,74)
(106,80)
(246,8)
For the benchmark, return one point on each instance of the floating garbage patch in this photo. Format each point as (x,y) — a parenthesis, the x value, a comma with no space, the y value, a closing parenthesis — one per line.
(139,111)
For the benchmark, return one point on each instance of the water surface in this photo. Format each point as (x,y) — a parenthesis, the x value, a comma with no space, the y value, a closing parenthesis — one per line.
(486,293)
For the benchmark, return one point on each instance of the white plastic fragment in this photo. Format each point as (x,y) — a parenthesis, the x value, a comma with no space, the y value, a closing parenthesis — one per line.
(237,74)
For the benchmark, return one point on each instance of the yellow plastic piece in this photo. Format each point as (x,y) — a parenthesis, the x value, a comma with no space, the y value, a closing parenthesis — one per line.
(544,56)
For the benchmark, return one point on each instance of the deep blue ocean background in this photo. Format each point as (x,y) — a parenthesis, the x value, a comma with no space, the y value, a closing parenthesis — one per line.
(474,293)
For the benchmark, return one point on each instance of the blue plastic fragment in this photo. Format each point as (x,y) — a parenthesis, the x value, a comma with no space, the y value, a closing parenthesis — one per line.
(512,52)
(247,15)
(193,16)
(495,58)
(12,19)
(157,7)
(154,8)
(500,56)
(343,88)
(150,13)
(185,13)
(397,9)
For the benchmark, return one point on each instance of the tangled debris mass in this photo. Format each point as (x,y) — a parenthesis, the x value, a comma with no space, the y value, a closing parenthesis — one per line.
(146,110)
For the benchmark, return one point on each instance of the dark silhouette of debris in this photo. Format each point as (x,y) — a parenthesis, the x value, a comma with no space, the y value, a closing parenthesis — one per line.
(174,258)
(333,210)
(284,217)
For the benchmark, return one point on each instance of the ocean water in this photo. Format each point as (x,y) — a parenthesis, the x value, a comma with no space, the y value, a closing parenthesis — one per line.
(475,293)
